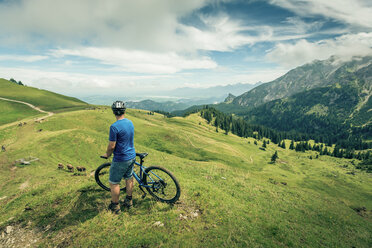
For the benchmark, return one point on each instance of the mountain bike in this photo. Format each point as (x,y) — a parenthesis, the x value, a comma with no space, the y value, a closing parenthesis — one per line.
(159,182)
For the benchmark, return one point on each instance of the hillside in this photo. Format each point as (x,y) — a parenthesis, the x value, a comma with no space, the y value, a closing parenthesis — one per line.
(43,99)
(326,100)
(326,111)
(11,112)
(231,195)
(306,77)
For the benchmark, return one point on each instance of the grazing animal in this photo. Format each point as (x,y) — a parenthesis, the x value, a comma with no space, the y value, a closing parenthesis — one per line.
(70,167)
(3,148)
(60,166)
(24,123)
(80,168)
(20,124)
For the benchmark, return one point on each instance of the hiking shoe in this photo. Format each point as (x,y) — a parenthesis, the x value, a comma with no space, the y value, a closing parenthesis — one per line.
(114,208)
(128,202)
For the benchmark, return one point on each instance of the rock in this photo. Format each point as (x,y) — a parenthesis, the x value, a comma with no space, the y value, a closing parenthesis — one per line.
(183,217)
(158,223)
(194,214)
(224,178)
(8,229)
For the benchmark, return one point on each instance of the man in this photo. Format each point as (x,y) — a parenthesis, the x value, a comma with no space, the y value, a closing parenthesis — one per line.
(121,144)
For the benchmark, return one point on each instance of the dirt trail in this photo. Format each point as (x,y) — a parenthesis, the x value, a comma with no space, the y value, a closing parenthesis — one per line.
(31,106)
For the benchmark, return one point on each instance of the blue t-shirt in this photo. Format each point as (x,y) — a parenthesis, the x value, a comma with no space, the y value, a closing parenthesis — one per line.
(122,131)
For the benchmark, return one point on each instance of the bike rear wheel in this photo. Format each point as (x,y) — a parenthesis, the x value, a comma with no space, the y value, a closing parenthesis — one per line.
(102,177)
(163,184)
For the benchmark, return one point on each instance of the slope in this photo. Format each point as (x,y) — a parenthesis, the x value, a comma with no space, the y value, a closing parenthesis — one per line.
(12,111)
(306,77)
(231,195)
(327,111)
(43,99)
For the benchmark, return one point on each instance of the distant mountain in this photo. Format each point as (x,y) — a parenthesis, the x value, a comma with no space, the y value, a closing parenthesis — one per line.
(216,91)
(229,98)
(168,106)
(342,109)
(177,99)
(325,110)
(322,99)
(306,77)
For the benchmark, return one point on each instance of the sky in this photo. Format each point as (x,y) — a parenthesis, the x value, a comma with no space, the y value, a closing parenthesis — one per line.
(146,47)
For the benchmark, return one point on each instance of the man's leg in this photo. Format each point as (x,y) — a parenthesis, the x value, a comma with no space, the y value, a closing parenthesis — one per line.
(129,185)
(115,192)
(128,202)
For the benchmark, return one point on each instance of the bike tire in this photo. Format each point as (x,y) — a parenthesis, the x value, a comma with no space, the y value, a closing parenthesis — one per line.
(150,177)
(101,176)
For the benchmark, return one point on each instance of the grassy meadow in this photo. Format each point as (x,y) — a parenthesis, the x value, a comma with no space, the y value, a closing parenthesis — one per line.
(46,100)
(13,111)
(232,196)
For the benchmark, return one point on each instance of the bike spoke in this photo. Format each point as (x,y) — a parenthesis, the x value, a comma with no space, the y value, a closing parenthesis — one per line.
(162,184)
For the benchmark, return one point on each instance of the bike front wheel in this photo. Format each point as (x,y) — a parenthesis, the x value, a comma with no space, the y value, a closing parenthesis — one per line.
(102,177)
(161,184)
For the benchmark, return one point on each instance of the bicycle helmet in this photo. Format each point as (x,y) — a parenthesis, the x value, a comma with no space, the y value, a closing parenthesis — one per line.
(118,108)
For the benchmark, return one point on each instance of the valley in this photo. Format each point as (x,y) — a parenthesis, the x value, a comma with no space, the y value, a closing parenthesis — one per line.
(231,194)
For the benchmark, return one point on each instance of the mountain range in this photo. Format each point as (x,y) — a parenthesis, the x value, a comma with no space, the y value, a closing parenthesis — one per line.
(306,77)
(324,98)
(187,96)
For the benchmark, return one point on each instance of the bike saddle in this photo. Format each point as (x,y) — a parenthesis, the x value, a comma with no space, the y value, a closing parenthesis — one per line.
(142,155)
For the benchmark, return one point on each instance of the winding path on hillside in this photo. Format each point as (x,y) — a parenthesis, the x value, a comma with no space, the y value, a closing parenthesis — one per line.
(31,106)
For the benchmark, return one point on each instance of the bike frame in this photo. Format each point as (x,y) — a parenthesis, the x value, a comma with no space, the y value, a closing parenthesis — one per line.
(141,173)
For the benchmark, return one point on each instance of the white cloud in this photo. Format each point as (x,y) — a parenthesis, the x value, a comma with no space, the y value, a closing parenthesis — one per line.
(301,52)
(79,83)
(262,75)
(140,61)
(140,24)
(24,58)
(354,12)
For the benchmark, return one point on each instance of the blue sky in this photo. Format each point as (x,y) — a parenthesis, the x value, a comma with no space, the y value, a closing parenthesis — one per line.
(144,47)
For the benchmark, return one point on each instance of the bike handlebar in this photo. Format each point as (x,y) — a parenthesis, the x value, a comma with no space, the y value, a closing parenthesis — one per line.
(103,157)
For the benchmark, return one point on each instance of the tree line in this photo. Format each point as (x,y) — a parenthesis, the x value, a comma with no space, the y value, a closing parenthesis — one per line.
(14,81)
(299,141)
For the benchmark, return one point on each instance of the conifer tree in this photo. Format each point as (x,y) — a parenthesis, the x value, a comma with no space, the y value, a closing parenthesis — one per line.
(283,144)
(274,157)
(291,146)
(325,151)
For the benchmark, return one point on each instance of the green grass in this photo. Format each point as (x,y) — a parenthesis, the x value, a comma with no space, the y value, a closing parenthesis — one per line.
(12,111)
(43,99)
(240,197)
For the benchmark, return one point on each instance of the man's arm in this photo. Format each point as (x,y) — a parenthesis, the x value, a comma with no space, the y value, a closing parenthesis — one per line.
(110,148)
